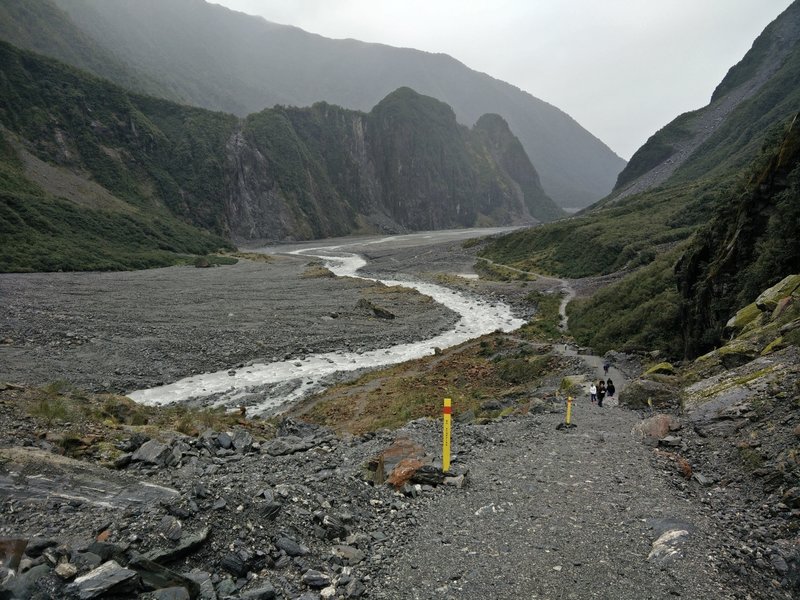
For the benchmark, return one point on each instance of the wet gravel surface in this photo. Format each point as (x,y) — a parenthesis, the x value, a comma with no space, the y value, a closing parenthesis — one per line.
(124,331)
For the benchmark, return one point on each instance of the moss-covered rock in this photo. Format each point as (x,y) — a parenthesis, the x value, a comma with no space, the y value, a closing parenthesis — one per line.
(662,368)
(768,299)
(775,344)
(736,354)
(743,318)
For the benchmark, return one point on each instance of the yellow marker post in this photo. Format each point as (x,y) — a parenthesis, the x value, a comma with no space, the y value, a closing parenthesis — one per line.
(569,410)
(447,411)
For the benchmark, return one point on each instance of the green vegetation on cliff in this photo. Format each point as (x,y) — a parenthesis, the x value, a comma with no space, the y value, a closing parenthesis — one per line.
(190,178)
(727,216)
(745,249)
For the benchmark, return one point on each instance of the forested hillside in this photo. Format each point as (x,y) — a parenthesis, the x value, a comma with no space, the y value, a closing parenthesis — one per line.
(282,173)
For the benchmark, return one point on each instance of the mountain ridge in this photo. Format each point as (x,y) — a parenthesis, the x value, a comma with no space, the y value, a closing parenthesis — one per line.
(678,202)
(696,132)
(280,174)
(222,60)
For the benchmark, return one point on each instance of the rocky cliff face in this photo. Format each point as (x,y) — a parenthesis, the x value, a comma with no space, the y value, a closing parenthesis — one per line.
(406,165)
(280,174)
(745,248)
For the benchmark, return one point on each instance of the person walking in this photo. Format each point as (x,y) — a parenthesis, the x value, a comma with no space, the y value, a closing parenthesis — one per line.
(593,392)
(601,392)
(606,367)
(610,389)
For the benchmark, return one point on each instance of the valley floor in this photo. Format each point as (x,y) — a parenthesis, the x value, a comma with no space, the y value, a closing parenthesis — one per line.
(587,512)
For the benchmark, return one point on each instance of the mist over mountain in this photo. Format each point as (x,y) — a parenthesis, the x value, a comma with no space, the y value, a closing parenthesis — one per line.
(216,58)
(714,192)
(726,134)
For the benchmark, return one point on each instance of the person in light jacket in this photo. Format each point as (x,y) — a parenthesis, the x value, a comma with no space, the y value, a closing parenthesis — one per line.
(593,392)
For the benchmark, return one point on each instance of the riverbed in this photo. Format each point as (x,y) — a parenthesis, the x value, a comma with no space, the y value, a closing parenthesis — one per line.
(264,388)
(118,332)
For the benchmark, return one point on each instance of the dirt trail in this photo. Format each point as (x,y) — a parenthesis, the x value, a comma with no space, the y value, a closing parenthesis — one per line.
(555,514)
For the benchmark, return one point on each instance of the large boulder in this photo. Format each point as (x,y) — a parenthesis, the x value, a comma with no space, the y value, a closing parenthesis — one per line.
(657,427)
(644,393)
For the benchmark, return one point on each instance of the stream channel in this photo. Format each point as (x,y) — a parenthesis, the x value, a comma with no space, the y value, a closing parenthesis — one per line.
(266,388)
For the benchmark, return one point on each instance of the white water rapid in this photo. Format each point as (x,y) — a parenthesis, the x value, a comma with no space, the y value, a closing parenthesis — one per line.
(265,387)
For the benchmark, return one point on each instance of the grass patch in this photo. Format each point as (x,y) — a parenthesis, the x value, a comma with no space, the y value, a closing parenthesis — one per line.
(494,367)
(640,312)
(89,425)
(543,326)
(496,272)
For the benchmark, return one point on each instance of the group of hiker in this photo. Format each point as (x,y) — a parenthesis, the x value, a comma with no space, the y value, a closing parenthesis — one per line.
(602,389)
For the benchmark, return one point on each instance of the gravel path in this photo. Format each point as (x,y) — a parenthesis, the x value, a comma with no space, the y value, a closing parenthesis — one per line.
(559,514)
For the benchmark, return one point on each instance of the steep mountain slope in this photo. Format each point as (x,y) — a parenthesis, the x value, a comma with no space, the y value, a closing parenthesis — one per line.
(745,249)
(759,91)
(74,142)
(223,60)
(718,175)
(44,28)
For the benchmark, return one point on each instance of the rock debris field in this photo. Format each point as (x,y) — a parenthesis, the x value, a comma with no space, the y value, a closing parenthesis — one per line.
(256,511)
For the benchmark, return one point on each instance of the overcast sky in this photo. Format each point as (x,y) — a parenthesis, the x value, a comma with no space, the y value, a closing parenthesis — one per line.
(621,68)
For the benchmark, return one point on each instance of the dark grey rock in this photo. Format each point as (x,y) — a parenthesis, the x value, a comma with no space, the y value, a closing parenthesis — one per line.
(187,545)
(123,460)
(242,440)
(107,579)
(105,550)
(171,593)
(291,547)
(354,589)
(428,475)
(203,579)
(226,587)
(37,546)
(200,491)
(316,579)
(289,444)
(779,564)
(86,561)
(672,441)
(265,592)
(156,576)
(152,453)
(224,441)
(171,528)
(270,510)
(702,479)
(234,564)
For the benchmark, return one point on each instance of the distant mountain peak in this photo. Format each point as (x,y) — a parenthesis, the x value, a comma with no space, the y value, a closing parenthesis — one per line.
(210,56)
(677,143)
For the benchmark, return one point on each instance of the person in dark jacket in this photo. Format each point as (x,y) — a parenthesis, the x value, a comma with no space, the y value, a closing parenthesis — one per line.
(601,392)
(610,389)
